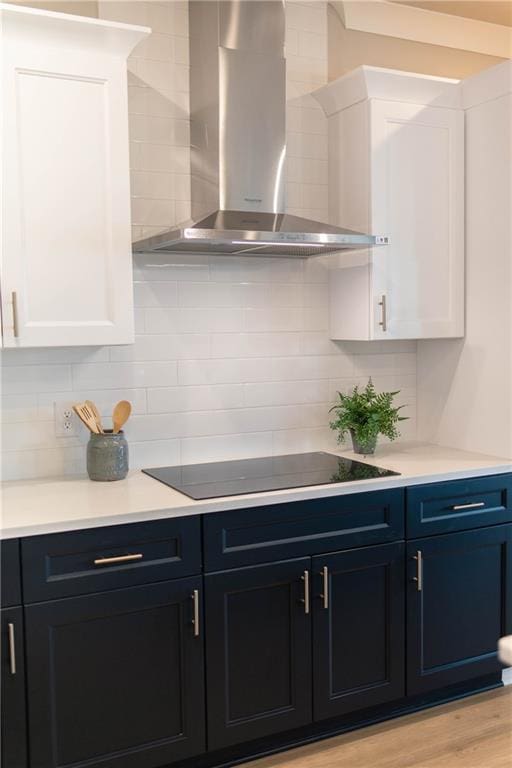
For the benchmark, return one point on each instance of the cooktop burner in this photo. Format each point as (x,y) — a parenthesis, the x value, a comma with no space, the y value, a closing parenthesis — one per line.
(270,473)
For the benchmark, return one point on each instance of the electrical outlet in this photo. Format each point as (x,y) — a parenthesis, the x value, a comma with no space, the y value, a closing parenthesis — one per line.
(65,420)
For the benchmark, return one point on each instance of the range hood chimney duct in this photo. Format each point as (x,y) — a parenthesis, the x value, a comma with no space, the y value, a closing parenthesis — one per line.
(238,137)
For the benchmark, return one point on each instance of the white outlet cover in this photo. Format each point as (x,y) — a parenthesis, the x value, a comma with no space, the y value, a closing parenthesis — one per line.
(65,420)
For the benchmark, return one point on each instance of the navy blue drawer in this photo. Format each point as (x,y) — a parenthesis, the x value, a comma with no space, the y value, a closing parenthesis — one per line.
(10,572)
(459,505)
(64,564)
(280,531)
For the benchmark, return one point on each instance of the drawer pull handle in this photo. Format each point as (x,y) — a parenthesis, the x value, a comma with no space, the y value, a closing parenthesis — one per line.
(195,620)
(119,559)
(12,649)
(419,571)
(325,593)
(305,601)
(473,505)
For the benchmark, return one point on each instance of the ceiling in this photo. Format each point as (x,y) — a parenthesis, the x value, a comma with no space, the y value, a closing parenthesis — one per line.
(494,11)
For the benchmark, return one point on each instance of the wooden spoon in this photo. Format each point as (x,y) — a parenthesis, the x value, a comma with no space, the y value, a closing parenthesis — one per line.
(97,415)
(85,414)
(121,415)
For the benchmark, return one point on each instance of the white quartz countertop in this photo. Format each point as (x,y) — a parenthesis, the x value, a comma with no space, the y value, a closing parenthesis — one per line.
(51,505)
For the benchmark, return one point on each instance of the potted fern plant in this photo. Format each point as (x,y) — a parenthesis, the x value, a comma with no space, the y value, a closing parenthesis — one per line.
(366,414)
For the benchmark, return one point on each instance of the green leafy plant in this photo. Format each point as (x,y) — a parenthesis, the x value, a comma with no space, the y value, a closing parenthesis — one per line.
(366,414)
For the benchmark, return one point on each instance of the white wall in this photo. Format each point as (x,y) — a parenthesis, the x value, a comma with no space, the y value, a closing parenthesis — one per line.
(232,355)
(465,386)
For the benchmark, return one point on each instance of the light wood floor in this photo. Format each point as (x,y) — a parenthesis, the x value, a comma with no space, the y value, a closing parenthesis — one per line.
(472,733)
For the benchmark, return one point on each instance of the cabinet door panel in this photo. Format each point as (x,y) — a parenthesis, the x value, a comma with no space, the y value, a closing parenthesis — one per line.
(463,607)
(258,652)
(67,215)
(417,198)
(116,679)
(12,675)
(358,631)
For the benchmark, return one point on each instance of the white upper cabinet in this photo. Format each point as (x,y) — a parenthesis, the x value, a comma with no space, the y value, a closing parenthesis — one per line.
(396,168)
(66,268)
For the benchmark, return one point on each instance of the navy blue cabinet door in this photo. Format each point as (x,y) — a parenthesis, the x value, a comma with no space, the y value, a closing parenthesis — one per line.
(116,679)
(358,629)
(459,603)
(14,731)
(258,654)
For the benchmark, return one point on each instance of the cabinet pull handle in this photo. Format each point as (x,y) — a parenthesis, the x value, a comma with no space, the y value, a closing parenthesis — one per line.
(383,316)
(195,620)
(305,601)
(473,505)
(118,559)
(15,324)
(325,593)
(12,649)
(419,571)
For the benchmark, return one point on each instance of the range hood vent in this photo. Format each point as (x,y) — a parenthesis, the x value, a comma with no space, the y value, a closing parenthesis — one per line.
(238,138)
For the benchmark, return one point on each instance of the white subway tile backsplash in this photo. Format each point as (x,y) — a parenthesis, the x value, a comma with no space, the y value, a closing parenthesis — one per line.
(188,320)
(255,269)
(154,212)
(30,435)
(287,392)
(20,408)
(41,355)
(116,375)
(273,319)
(263,295)
(154,453)
(263,369)
(195,398)
(105,399)
(316,319)
(177,346)
(41,378)
(317,343)
(155,294)
(378,364)
(211,295)
(232,357)
(244,446)
(170,267)
(303,440)
(28,464)
(255,344)
(160,157)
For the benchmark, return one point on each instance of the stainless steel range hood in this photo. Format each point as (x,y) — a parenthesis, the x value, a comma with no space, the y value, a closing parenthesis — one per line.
(238,137)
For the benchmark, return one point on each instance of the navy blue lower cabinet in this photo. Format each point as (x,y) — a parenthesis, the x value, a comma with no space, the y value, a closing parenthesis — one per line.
(459,603)
(10,581)
(358,629)
(12,675)
(258,657)
(116,679)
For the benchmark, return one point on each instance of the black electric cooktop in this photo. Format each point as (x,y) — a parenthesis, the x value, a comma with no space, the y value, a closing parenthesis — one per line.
(271,473)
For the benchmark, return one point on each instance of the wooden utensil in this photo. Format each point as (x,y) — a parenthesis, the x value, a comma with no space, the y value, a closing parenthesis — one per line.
(121,415)
(85,414)
(97,415)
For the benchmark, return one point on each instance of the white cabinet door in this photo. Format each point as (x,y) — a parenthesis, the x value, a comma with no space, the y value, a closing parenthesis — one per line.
(66,270)
(417,198)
